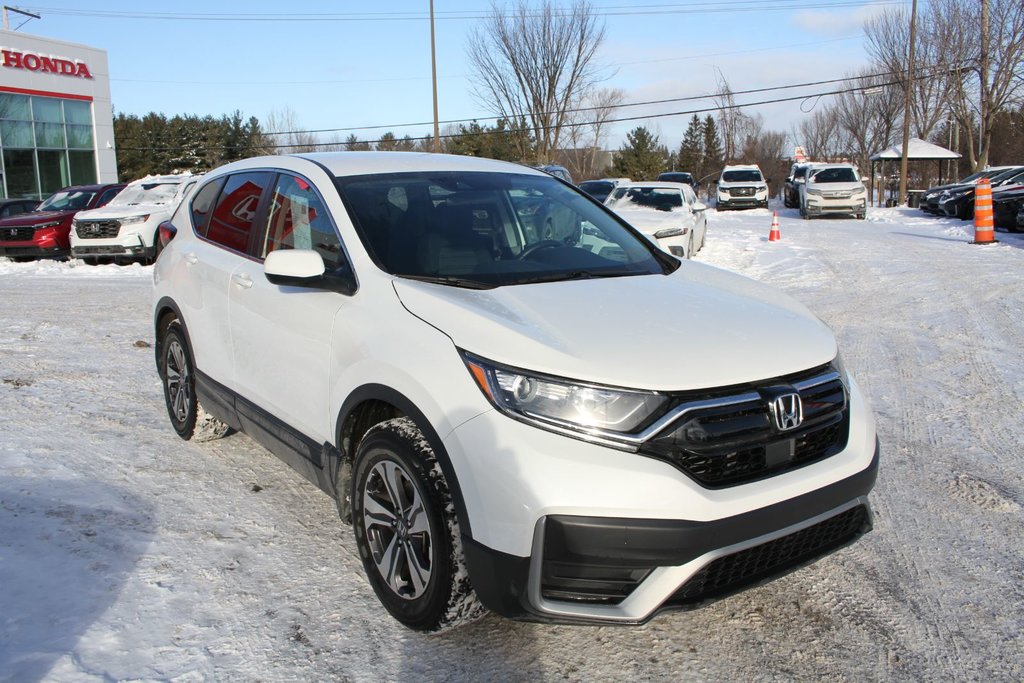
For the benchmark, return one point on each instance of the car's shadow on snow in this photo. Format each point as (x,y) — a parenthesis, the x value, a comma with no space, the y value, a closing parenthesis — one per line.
(66,549)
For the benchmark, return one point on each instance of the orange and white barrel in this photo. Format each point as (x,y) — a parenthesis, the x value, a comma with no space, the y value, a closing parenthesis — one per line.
(984,220)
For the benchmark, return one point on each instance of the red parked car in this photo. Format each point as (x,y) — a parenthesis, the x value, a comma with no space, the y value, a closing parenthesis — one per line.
(46,231)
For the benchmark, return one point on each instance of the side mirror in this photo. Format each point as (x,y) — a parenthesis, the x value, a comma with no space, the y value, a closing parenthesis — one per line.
(305,268)
(699,206)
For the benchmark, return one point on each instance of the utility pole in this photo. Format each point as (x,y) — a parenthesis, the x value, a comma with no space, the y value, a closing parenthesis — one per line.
(984,134)
(433,78)
(902,198)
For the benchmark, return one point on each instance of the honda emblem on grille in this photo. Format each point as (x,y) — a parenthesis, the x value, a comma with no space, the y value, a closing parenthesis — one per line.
(787,411)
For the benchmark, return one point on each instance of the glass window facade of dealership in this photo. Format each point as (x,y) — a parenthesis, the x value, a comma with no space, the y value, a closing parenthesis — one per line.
(46,144)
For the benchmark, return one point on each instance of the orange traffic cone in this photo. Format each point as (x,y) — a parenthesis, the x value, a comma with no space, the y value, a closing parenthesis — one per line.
(775,235)
(984,223)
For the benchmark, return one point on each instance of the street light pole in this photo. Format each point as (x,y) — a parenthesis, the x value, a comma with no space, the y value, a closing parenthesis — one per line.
(902,198)
(433,78)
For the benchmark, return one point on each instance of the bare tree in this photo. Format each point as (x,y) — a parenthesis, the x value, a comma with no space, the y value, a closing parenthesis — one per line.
(587,132)
(536,63)
(819,134)
(286,134)
(962,81)
(868,116)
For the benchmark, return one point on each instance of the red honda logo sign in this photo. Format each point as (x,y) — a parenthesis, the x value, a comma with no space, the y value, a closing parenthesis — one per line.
(30,61)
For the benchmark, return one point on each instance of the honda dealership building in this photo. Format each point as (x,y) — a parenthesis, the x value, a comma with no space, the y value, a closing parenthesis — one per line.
(56,123)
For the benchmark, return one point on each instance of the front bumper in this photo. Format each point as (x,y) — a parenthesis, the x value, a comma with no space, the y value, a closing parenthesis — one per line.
(621,570)
(819,206)
(129,244)
(552,515)
(32,250)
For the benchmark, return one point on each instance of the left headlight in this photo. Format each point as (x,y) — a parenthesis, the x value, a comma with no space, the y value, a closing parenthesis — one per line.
(554,402)
(48,224)
(128,220)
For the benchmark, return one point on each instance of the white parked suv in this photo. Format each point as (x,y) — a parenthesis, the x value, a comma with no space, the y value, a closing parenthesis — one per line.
(833,189)
(742,187)
(127,228)
(448,346)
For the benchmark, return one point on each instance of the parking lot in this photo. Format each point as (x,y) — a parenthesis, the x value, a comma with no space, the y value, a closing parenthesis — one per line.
(172,560)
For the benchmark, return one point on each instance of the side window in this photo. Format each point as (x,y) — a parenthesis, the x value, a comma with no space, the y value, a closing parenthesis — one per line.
(107,196)
(233,216)
(297,219)
(202,205)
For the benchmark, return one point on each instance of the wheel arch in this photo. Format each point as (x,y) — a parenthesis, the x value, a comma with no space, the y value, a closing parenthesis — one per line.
(371,404)
(165,310)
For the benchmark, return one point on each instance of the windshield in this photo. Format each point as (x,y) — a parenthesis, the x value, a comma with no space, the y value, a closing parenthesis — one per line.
(658,198)
(750,176)
(67,200)
(146,193)
(490,229)
(597,188)
(835,175)
(1004,174)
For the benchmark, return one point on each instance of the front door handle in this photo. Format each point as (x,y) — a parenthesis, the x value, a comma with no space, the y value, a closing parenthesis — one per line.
(242,280)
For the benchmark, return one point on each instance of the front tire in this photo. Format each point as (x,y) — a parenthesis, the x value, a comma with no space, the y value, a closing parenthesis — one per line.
(407,531)
(177,371)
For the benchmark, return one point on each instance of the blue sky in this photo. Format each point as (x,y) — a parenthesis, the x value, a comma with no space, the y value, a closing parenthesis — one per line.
(349,64)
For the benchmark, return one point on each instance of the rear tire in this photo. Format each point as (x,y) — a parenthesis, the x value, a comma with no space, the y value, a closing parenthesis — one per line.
(177,372)
(407,531)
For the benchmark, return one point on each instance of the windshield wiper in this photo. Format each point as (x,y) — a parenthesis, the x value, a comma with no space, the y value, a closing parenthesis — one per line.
(448,280)
(574,275)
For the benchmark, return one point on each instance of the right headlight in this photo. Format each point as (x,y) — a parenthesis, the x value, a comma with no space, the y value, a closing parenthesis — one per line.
(562,404)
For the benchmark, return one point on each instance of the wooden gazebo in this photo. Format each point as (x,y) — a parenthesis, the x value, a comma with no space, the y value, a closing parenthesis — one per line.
(917,150)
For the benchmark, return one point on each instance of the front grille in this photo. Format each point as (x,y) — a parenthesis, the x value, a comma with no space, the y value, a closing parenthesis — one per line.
(727,439)
(741,191)
(17,233)
(729,573)
(87,230)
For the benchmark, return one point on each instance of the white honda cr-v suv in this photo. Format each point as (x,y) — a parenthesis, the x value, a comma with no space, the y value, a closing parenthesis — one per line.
(447,346)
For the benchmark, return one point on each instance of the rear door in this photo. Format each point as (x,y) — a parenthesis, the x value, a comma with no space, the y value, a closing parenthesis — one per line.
(223,215)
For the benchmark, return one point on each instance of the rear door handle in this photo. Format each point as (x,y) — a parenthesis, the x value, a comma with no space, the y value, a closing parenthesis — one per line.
(191,258)
(242,280)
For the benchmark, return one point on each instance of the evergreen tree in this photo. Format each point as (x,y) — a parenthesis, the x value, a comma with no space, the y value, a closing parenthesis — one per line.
(714,157)
(354,144)
(691,152)
(387,143)
(500,141)
(641,157)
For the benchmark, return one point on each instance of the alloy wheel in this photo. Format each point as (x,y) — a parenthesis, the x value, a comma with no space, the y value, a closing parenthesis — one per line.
(397,529)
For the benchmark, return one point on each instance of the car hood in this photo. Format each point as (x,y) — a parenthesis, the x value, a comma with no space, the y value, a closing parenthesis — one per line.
(123,211)
(651,221)
(835,187)
(37,217)
(699,327)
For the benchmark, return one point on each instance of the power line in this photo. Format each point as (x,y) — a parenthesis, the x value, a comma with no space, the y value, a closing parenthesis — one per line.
(529,129)
(708,7)
(689,98)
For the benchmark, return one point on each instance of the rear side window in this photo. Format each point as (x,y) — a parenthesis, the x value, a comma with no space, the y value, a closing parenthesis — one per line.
(297,219)
(108,195)
(202,205)
(234,215)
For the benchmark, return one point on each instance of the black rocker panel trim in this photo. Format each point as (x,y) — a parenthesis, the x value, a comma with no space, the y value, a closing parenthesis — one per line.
(297,450)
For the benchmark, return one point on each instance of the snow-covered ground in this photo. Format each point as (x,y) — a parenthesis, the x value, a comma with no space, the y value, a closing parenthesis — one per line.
(128,554)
